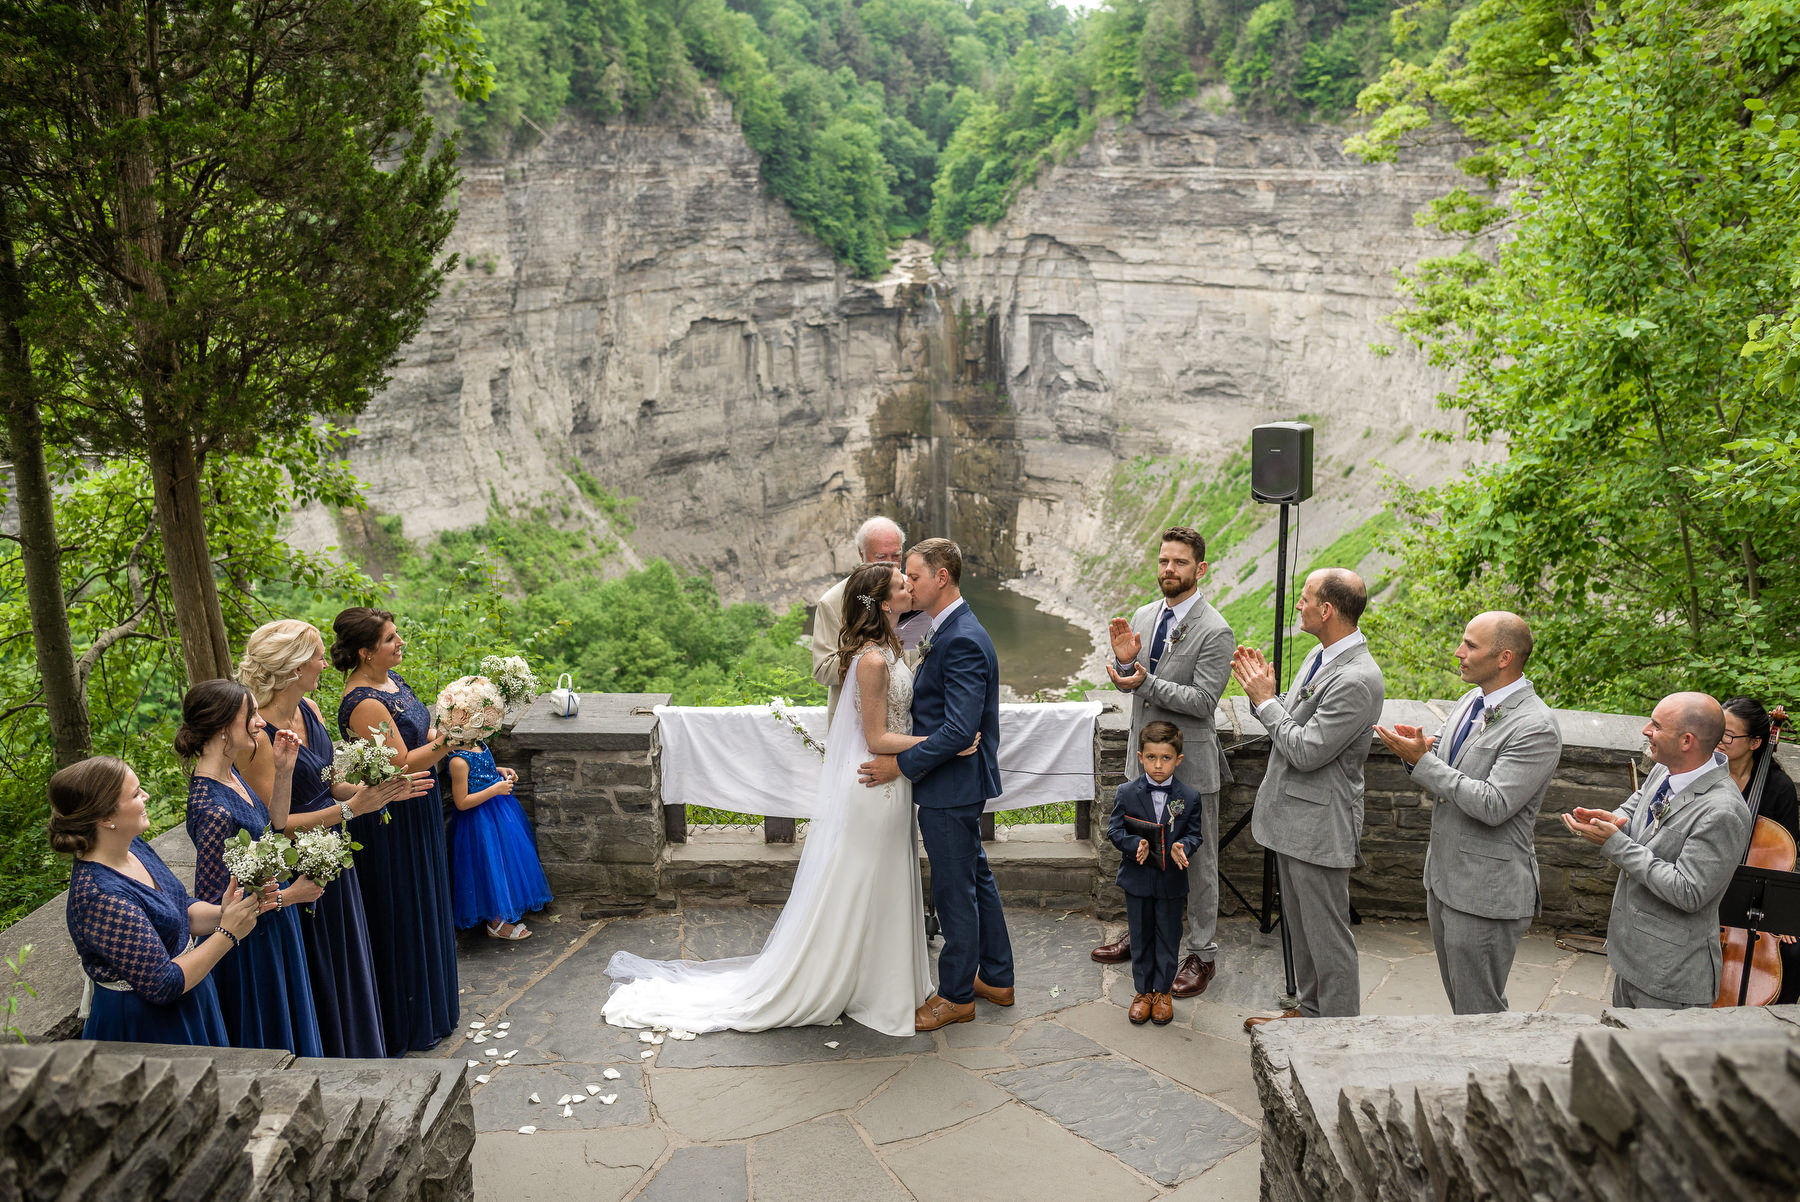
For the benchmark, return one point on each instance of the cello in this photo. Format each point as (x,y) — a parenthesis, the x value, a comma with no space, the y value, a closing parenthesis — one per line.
(1770,847)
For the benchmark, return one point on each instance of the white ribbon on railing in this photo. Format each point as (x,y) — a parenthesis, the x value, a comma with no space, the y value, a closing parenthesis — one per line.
(750,759)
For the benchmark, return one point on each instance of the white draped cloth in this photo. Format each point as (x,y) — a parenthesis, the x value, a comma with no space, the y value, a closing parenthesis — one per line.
(748,758)
(851,939)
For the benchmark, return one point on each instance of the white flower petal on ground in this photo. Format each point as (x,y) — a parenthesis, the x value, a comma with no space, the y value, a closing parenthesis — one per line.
(568,1112)
(535,1100)
(528,1130)
(611,1074)
(504,1026)
(477,1025)
(563,1101)
(831,1043)
(482,1080)
(646,1054)
(656,1039)
(609,1099)
(474,1064)
(480,1039)
(592,1089)
(490,1051)
(646,1037)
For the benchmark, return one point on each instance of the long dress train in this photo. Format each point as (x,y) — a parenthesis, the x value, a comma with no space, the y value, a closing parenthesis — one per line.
(851,939)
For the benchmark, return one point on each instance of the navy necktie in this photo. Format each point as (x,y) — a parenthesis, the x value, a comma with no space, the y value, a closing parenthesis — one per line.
(1468,726)
(1162,634)
(1658,804)
(1314,670)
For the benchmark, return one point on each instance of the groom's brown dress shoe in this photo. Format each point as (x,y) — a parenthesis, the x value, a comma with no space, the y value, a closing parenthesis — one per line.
(1000,997)
(1250,1024)
(936,1012)
(1116,952)
(1193,978)
(1162,1009)
(1139,1013)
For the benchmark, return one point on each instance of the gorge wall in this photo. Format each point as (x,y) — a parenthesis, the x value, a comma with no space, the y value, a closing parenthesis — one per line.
(632,303)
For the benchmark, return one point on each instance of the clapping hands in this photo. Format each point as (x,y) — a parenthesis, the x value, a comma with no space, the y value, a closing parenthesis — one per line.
(1254,674)
(1596,826)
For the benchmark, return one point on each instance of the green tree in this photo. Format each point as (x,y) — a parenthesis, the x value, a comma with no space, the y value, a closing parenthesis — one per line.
(241,208)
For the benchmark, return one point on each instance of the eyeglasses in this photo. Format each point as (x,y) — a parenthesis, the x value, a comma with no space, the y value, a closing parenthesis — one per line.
(1728,736)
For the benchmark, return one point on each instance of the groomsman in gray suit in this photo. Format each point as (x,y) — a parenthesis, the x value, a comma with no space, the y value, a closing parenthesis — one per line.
(1677,842)
(1309,810)
(1487,772)
(1174,658)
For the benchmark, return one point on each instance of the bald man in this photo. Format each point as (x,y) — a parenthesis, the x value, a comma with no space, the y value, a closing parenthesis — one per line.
(1677,841)
(1486,773)
(878,540)
(1309,808)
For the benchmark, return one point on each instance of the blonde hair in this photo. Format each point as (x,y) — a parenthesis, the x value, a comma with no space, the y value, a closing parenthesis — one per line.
(273,655)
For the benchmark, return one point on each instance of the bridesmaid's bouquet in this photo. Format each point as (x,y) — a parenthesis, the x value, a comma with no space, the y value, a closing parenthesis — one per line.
(469,710)
(321,855)
(512,676)
(367,761)
(256,862)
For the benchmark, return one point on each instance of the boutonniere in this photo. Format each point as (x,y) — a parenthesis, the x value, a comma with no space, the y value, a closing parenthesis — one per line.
(1176,635)
(1492,717)
(1306,694)
(1176,805)
(925,645)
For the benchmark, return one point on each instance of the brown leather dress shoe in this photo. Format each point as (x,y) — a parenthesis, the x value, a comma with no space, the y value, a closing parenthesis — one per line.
(1000,997)
(1116,952)
(936,1012)
(1139,1013)
(1193,978)
(1162,1009)
(1250,1024)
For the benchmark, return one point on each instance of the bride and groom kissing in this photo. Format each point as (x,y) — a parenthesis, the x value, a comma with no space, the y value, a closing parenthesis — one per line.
(904,752)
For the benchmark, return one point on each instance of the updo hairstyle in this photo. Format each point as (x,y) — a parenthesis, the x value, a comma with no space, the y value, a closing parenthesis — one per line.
(273,657)
(82,796)
(355,631)
(208,708)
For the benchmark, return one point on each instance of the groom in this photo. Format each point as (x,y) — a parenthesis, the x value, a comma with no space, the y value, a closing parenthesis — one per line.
(956,695)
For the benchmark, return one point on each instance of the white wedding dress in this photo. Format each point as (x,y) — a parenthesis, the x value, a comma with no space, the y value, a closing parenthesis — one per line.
(851,939)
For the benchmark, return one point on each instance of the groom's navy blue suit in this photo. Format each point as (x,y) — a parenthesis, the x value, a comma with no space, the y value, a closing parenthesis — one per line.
(956,693)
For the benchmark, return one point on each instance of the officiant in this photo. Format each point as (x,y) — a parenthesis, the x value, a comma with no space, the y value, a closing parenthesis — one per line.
(1174,658)
(878,540)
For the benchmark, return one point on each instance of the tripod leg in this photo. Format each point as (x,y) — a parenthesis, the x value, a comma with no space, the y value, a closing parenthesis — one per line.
(1267,916)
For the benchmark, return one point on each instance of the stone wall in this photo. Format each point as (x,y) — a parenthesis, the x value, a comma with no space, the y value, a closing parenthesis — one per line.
(118,1120)
(1640,1104)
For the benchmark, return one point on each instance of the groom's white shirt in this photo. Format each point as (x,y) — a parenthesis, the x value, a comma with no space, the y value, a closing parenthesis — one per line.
(944,614)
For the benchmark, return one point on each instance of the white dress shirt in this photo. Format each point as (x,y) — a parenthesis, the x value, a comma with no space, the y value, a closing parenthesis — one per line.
(1326,655)
(1180,611)
(944,614)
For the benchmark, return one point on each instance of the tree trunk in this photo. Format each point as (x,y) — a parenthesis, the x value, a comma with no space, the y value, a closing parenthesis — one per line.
(181,520)
(39,548)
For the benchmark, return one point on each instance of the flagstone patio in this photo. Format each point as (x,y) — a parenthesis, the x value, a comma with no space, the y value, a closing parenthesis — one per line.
(1057,1096)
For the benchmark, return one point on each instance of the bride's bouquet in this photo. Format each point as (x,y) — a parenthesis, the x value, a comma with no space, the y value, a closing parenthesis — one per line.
(470,710)
(512,676)
(366,761)
(256,862)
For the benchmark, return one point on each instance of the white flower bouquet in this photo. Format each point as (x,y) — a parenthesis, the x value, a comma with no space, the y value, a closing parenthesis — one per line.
(320,854)
(366,761)
(512,676)
(256,862)
(469,710)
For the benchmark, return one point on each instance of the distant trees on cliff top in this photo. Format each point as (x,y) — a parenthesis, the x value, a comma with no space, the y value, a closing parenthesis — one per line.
(877,119)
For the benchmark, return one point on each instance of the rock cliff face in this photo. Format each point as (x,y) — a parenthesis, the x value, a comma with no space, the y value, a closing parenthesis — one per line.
(634,304)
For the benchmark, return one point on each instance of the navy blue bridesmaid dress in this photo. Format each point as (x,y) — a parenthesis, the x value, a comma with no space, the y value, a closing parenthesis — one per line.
(406,893)
(498,876)
(264,988)
(334,928)
(129,934)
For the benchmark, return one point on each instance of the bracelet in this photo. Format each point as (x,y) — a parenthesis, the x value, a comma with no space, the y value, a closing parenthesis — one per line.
(346,811)
(228,935)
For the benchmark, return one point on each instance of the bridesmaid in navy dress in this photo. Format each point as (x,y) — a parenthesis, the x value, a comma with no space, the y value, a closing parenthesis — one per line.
(264,990)
(282,662)
(406,872)
(147,946)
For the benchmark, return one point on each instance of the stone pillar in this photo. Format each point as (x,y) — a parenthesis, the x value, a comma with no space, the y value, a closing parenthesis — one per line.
(591,786)
(1113,766)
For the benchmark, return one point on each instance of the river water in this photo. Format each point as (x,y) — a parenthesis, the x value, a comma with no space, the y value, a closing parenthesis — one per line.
(1037,650)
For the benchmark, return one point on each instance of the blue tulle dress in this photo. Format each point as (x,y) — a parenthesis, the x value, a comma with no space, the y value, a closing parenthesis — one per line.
(127,933)
(264,990)
(405,874)
(493,852)
(334,928)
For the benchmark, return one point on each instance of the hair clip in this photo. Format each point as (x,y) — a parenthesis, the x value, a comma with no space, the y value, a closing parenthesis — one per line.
(868,601)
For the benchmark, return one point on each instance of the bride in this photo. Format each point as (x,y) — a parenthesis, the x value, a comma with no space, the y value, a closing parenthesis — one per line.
(851,939)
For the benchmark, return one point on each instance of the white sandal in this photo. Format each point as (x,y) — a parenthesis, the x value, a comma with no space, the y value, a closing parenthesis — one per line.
(519,931)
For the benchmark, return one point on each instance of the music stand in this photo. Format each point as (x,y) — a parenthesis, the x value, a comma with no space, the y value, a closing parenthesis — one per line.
(1763,902)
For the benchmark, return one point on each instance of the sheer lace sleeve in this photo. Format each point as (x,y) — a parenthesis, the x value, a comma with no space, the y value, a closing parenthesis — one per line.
(209,826)
(120,934)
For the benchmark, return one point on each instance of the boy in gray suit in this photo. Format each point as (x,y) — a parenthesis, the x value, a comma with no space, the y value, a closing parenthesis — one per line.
(1677,842)
(1309,810)
(1487,772)
(1174,659)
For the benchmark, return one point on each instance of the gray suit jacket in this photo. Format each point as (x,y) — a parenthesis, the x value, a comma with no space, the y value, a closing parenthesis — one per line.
(1189,679)
(828,623)
(1310,805)
(1663,935)
(1482,859)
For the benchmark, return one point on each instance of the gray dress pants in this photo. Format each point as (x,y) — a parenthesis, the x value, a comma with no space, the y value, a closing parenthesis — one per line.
(1315,905)
(1474,955)
(1203,886)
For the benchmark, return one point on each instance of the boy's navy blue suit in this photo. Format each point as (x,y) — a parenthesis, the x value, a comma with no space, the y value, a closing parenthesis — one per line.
(956,692)
(1154,897)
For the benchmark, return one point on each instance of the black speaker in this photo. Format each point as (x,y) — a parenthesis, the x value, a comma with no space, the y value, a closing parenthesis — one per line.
(1281,463)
